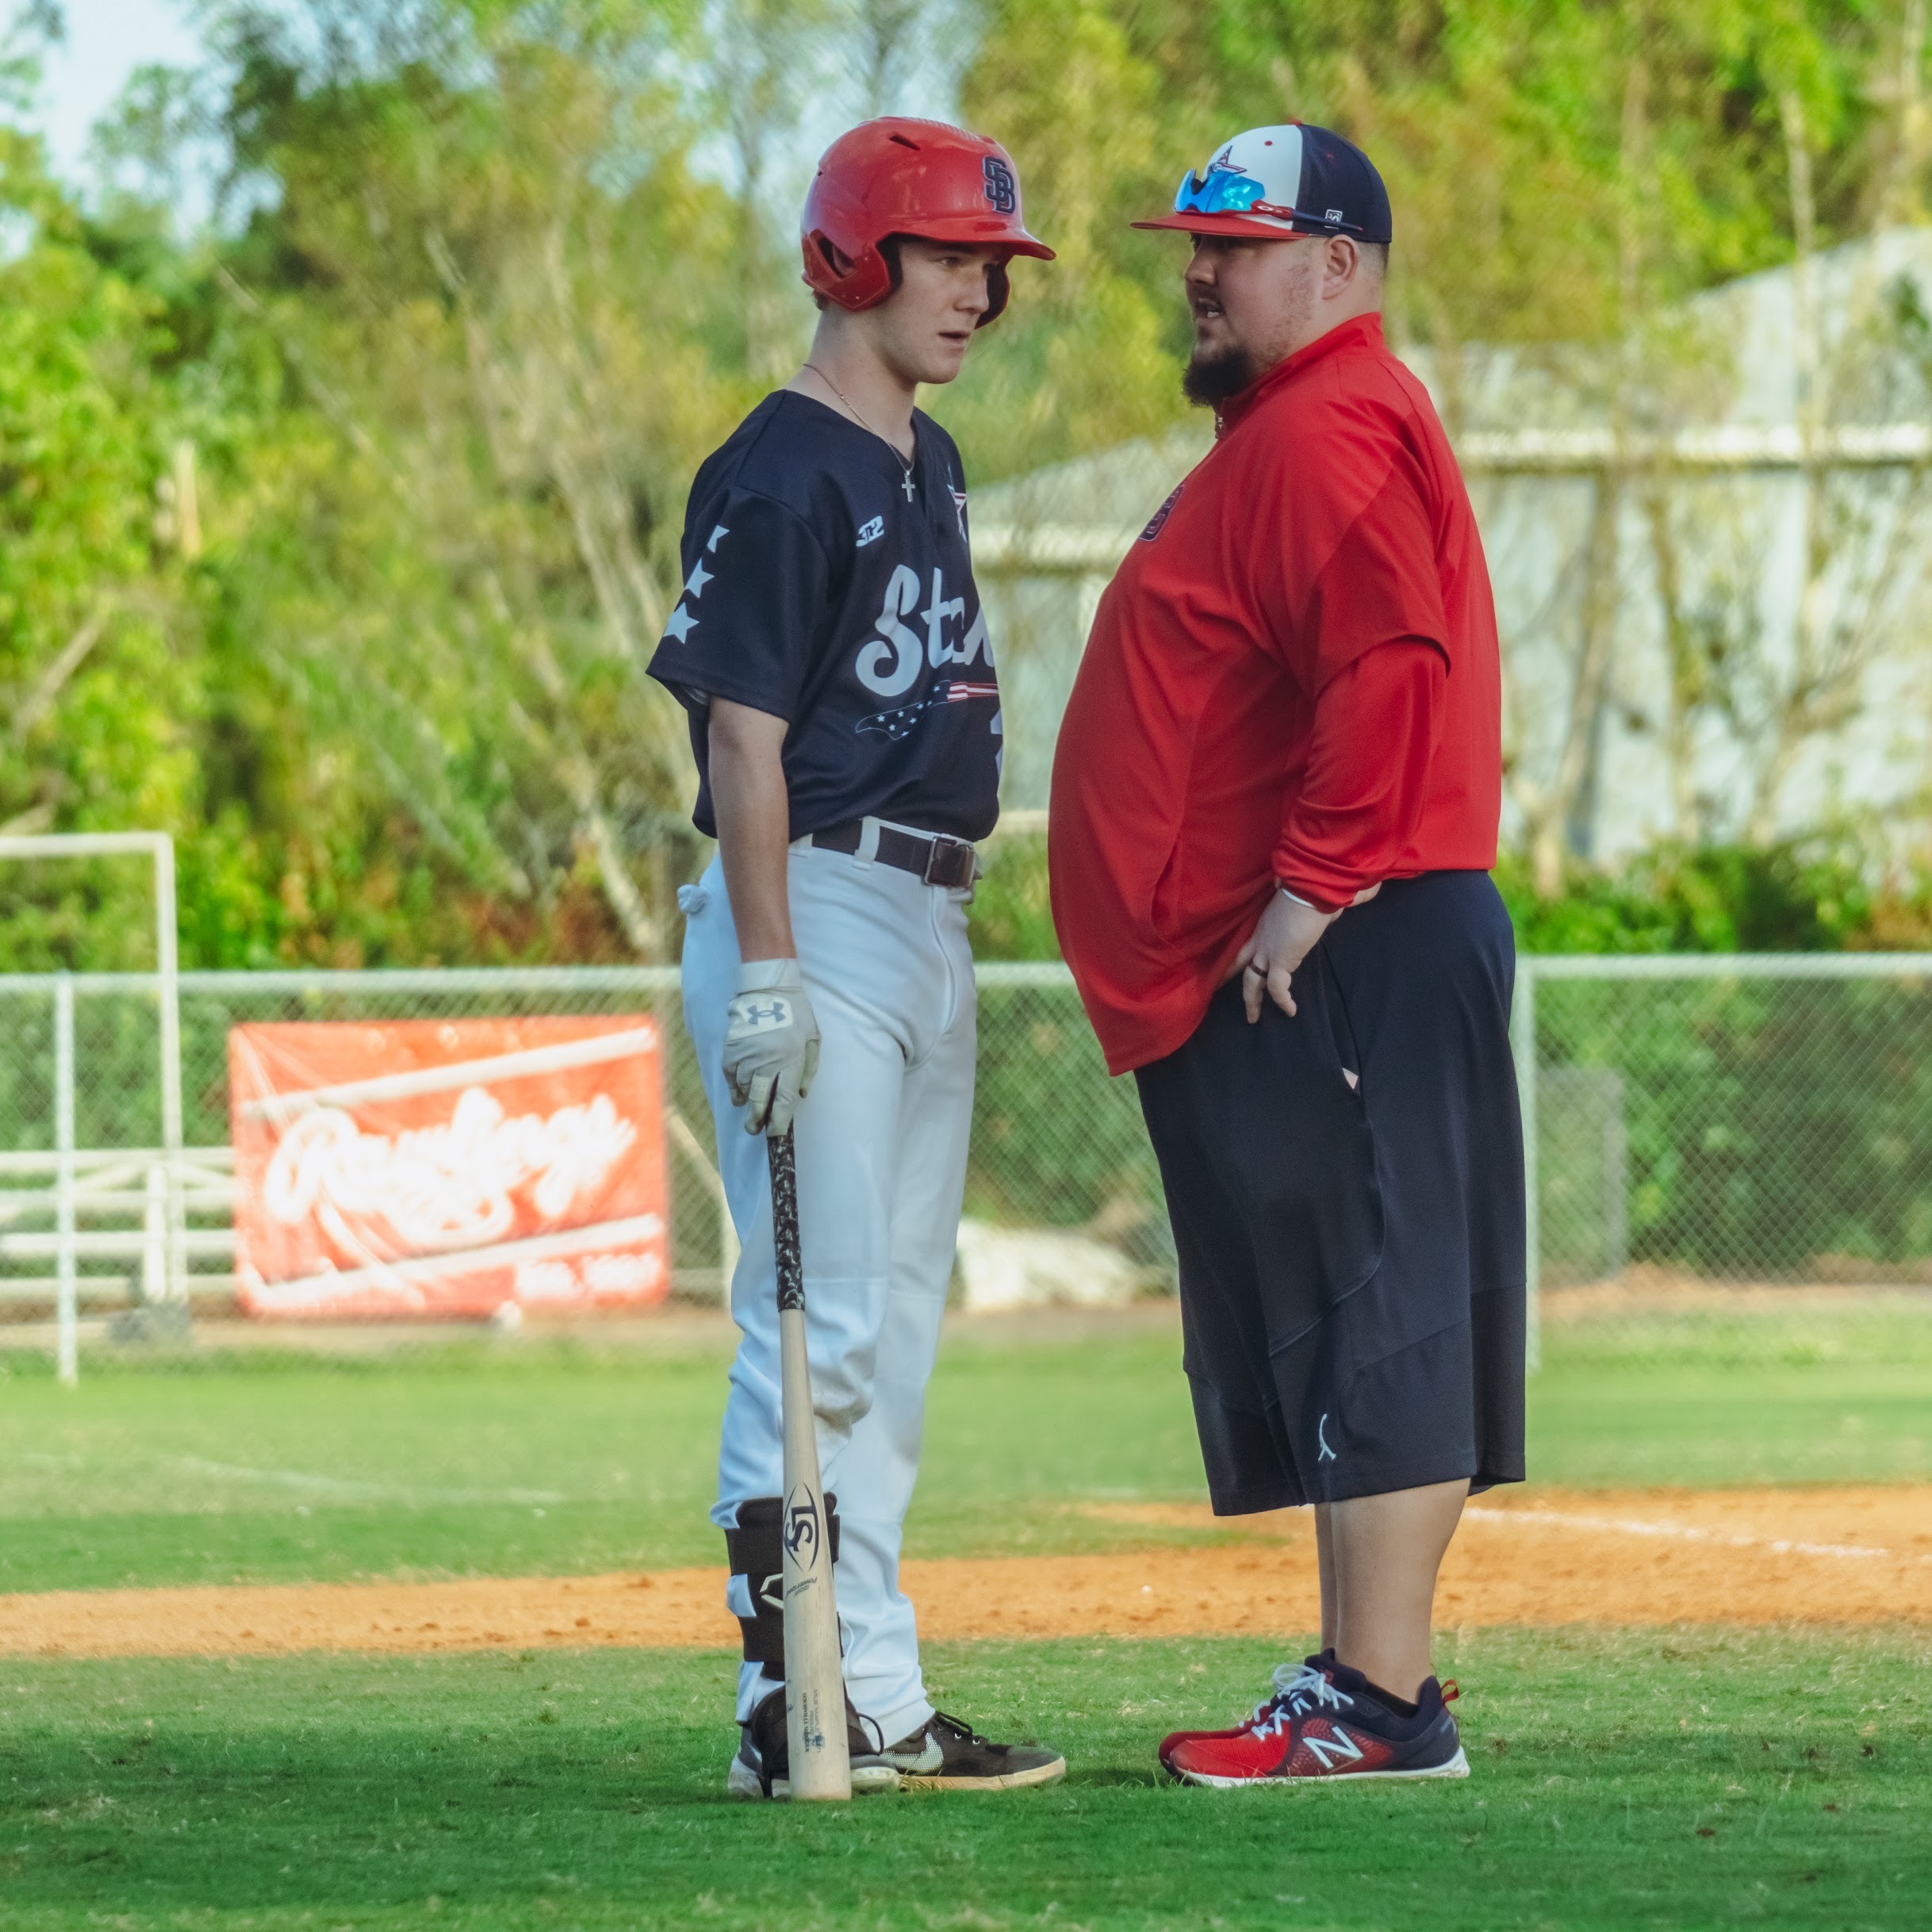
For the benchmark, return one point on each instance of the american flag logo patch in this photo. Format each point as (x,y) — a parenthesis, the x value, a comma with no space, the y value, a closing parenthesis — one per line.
(897,722)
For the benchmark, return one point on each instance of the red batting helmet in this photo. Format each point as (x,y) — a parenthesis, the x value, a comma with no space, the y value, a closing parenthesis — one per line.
(916,178)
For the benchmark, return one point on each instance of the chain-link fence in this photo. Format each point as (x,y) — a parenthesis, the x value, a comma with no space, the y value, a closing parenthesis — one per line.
(1705,1133)
(1725,1138)
(100,1220)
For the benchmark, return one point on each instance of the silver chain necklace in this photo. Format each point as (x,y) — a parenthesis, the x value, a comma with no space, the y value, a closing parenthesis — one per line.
(906,484)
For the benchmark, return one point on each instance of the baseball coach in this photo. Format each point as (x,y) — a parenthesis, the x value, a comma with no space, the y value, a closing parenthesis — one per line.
(1274,810)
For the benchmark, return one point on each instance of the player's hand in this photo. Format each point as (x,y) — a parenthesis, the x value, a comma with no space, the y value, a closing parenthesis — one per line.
(771,1049)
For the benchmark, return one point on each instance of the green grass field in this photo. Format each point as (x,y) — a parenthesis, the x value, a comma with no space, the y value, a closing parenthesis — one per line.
(541,1460)
(1683,1779)
(1694,1780)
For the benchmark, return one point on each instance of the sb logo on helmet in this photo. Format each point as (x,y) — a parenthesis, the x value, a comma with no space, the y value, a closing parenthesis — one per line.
(1001,190)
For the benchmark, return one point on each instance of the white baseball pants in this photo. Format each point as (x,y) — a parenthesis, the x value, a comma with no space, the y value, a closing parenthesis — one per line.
(882,1140)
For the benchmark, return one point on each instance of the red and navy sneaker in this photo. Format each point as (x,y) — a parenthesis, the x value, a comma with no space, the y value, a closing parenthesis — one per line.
(1323,1722)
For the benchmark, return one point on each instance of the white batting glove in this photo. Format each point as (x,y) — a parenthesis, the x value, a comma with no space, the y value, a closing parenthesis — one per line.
(771,1049)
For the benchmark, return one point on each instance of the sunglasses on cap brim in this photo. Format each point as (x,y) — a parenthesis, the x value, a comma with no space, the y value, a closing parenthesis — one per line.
(1222,191)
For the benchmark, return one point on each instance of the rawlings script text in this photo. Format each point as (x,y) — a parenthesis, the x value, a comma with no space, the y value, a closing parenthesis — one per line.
(431,1188)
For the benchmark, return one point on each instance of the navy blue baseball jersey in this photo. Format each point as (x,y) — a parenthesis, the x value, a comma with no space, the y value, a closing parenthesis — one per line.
(825,586)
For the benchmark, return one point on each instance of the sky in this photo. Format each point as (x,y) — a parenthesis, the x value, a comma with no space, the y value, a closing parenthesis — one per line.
(107,39)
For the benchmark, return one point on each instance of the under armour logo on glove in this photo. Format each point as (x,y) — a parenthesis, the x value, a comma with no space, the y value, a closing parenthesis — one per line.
(750,1018)
(771,1047)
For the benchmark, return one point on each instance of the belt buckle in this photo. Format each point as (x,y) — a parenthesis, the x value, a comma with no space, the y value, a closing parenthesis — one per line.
(945,859)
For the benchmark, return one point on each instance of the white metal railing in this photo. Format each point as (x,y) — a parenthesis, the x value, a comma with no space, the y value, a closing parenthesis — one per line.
(70,1205)
(1043,547)
(158,848)
(1727,965)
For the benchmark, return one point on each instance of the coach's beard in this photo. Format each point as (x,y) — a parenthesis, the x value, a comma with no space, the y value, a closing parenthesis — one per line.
(1213,376)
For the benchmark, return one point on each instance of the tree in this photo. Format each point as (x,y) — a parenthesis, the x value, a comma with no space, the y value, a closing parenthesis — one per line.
(343,534)
(463,526)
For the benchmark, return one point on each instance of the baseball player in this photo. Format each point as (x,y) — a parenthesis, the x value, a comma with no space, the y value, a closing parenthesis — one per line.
(830,649)
(1274,810)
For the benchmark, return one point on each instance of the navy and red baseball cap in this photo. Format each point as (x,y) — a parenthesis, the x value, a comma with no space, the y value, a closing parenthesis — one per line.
(1274,182)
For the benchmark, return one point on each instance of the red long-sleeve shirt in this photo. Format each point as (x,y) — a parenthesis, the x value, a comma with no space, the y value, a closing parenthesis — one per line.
(1293,675)
(1352,815)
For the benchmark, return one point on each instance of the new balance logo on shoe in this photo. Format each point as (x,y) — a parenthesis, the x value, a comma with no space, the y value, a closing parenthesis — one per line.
(1337,1748)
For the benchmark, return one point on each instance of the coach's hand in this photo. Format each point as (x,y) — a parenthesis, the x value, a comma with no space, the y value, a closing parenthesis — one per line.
(1284,937)
(771,1049)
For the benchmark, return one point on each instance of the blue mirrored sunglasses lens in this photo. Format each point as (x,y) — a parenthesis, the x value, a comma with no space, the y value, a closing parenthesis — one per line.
(1222,192)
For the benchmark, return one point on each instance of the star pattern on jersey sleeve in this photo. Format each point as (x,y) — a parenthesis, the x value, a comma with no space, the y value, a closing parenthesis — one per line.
(680,624)
(711,542)
(700,576)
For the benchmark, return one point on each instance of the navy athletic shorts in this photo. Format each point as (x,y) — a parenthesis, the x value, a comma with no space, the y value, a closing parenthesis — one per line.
(1351,1260)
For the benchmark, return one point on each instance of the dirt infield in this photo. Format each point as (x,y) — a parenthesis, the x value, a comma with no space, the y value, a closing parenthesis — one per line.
(1524,1557)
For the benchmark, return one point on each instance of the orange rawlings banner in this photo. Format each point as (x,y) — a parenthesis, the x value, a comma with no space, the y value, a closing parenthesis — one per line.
(437,1168)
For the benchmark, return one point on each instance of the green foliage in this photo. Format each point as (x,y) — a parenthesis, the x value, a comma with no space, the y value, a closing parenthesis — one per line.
(1011,917)
(1550,165)
(1767,1123)
(337,538)
(1073,88)
(1792,898)
(1802,897)
(101,701)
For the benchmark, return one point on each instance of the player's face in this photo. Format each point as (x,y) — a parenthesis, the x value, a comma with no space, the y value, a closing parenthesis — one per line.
(1252,301)
(925,328)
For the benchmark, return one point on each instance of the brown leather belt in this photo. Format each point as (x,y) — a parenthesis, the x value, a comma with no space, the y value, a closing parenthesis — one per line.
(939,860)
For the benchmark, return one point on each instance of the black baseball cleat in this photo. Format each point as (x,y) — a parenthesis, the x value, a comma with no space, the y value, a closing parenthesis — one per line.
(762,1767)
(945,1755)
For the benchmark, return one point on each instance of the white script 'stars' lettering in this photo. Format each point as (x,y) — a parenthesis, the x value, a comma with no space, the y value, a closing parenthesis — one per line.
(938,651)
(890,662)
(975,643)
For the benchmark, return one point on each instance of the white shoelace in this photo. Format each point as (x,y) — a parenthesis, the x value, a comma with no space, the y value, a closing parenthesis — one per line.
(1297,1687)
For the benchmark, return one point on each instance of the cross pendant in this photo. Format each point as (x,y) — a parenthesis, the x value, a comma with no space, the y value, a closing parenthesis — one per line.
(906,484)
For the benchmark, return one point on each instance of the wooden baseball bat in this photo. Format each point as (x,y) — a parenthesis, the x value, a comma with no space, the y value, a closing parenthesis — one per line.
(814,1677)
